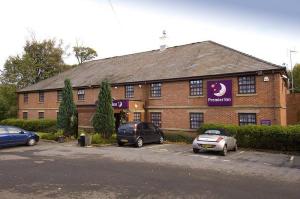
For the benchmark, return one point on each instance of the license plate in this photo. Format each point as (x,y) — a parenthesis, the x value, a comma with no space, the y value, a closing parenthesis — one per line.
(124,140)
(206,146)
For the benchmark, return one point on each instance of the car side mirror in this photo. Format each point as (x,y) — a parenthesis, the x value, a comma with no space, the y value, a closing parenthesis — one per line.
(21,132)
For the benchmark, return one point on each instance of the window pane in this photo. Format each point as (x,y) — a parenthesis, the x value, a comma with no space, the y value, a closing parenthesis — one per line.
(41,115)
(196,88)
(247,118)
(59,96)
(156,90)
(41,97)
(25,99)
(247,85)
(25,115)
(81,94)
(156,119)
(196,119)
(136,116)
(129,91)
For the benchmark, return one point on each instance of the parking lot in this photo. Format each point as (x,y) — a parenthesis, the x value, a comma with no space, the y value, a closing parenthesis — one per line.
(68,171)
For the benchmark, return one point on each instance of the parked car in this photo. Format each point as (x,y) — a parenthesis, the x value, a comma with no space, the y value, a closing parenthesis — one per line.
(215,140)
(12,136)
(139,133)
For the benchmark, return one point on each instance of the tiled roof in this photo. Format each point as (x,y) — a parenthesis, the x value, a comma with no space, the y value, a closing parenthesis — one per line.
(190,60)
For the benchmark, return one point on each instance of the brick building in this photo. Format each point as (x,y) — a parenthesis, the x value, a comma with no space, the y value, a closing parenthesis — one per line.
(177,88)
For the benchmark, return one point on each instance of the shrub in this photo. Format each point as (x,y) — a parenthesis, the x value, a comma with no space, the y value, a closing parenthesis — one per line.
(98,139)
(44,125)
(179,137)
(261,137)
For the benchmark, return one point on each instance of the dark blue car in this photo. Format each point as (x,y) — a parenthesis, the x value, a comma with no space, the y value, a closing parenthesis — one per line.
(12,136)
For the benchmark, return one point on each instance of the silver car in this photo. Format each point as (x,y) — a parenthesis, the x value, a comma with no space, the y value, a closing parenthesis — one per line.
(215,140)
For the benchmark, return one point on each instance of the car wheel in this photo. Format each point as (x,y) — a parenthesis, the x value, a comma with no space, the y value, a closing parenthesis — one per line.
(31,142)
(161,140)
(224,151)
(196,150)
(235,147)
(139,143)
(120,143)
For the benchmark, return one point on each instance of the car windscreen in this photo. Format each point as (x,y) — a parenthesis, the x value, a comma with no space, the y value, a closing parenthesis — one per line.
(127,126)
(214,132)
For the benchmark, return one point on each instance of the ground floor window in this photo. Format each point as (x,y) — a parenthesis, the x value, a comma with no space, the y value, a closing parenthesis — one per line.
(136,116)
(196,119)
(25,115)
(41,115)
(156,118)
(247,118)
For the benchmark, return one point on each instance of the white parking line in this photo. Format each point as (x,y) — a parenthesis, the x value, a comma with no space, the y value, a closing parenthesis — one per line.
(268,164)
(291,158)
(241,152)
(226,160)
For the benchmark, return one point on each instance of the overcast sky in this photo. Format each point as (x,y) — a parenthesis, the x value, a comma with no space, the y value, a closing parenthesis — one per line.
(264,28)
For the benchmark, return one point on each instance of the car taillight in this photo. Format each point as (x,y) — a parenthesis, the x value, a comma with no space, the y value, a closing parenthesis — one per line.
(219,139)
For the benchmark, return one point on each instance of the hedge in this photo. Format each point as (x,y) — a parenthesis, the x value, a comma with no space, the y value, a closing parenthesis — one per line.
(179,137)
(43,125)
(274,137)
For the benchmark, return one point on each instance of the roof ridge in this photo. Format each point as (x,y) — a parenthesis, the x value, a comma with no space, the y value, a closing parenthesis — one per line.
(246,54)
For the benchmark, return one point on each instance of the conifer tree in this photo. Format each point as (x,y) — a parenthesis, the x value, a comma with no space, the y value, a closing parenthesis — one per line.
(103,120)
(67,115)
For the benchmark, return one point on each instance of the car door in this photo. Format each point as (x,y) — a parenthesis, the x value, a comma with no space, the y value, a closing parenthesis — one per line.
(18,136)
(146,134)
(153,133)
(5,138)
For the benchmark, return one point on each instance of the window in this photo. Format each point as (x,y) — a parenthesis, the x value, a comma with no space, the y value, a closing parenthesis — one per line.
(156,119)
(2,130)
(80,94)
(25,115)
(136,116)
(41,115)
(25,98)
(247,85)
(129,91)
(156,90)
(12,130)
(59,96)
(247,118)
(41,97)
(196,119)
(196,88)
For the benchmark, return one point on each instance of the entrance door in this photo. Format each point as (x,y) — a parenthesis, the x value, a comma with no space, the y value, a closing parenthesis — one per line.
(117,120)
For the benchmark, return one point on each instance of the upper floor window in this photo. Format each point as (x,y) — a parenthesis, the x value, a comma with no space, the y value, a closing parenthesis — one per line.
(196,119)
(129,91)
(156,118)
(247,85)
(59,96)
(81,94)
(156,90)
(247,118)
(25,98)
(196,88)
(41,96)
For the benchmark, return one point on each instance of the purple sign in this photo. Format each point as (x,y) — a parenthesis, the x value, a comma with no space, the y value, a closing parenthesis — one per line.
(123,104)
(265,122)
(219,93)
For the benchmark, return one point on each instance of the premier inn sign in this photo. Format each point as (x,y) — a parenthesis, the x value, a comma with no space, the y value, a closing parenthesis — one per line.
(122,104)
(219,93)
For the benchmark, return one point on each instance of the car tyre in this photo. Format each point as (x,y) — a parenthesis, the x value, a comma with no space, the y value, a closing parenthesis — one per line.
(31,142)
(139,143)
(161,139)
(196,150)
(224,151)
(120,144)
(235,147)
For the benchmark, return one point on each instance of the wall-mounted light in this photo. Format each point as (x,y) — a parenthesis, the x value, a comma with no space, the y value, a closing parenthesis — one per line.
(116,87)
(140,86)
(135,106)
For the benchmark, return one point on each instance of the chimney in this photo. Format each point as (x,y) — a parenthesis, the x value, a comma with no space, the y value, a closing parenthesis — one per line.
(163,40)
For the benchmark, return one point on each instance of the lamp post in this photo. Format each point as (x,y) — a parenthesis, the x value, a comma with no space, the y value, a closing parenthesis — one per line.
(292,75)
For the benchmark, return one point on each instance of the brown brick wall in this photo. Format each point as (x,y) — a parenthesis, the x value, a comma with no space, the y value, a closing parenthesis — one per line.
(293,108)
(269,102)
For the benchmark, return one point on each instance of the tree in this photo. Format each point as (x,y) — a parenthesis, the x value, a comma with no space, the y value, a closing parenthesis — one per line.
(8,101)
(296,76)
(103,120)
(84,54)
(67,115)
(39,61)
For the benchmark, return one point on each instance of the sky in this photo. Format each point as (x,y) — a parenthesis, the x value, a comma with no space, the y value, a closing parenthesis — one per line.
(266,29)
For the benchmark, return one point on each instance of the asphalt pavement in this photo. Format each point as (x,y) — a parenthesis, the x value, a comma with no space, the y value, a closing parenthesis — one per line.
(156,171)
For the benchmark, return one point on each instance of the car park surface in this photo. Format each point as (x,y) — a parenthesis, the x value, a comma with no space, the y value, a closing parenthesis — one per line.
(154,171)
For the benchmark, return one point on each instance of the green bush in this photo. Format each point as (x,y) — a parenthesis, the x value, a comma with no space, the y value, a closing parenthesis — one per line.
(98,139)
(50,136)
(44,125)
(261,137)
(179,137)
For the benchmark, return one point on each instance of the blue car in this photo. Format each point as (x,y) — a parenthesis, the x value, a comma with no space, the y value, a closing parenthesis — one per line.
(12,136)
